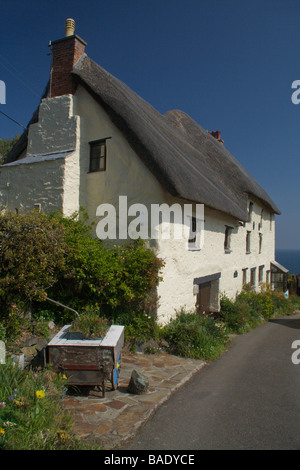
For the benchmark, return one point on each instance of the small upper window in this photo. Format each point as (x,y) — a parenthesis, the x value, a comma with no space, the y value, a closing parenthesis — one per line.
(260,225)
(98,155)
(195,240)
(227,239)
(248,244)
(260,243)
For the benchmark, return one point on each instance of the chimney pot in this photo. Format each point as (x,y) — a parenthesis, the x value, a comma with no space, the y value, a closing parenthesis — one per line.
(69,27)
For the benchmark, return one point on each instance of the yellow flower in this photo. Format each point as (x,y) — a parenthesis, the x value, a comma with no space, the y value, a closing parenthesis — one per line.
(63,436)
(19,403)
(64,377)
(2,431)
(40,394)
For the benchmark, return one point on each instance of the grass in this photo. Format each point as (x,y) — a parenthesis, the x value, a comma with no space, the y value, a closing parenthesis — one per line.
(31,415)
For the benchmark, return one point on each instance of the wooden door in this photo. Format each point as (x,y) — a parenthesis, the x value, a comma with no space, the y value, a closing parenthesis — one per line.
(203,298)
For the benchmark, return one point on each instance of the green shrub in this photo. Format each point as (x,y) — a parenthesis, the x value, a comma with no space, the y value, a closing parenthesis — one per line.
(97,273)
(250,309)
(32,254)
(57,256)
(193,335)
(234,317)
(90,323)
(41,329)
(260,303)
(139,326)
(2,331)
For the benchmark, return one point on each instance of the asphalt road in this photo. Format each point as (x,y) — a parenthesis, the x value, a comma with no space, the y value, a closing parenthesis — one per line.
(249,398)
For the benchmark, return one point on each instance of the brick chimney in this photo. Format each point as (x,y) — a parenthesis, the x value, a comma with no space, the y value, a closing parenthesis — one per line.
(65,54)
(216,135)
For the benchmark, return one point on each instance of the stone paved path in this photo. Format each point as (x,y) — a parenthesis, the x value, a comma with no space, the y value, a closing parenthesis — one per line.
(112,420)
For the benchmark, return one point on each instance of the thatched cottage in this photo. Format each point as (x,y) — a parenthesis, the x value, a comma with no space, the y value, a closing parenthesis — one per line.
(93,140)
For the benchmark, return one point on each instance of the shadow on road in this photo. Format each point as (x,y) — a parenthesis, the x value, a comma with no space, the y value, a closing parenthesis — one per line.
(290,322)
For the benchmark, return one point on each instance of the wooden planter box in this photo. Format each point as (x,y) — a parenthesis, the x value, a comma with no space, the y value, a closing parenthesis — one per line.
(87,362)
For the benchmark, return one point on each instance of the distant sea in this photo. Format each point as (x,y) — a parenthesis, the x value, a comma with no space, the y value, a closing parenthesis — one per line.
(290,259)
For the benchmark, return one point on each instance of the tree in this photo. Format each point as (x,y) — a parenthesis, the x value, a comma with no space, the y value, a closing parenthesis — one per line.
(32,253)
(6,145)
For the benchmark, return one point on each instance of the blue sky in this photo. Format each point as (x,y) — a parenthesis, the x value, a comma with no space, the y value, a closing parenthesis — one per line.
(229,64)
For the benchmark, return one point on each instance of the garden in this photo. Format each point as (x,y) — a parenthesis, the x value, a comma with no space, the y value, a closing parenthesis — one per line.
(47,257)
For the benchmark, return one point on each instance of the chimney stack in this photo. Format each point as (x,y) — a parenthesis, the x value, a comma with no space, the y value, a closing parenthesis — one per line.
(216,135)
(65,53)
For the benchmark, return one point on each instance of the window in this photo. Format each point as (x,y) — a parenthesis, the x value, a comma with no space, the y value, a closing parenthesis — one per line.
(260,225)
(260,242)
(98,155)
(245,277)
(248,244)
(195,241)
(268,276)
(253,277)
(227,239)
(261,274)
(193,230)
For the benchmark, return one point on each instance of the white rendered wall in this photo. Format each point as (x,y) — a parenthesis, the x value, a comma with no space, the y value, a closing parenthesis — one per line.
(126,175)
(23,185)
(53,183)
(70,123)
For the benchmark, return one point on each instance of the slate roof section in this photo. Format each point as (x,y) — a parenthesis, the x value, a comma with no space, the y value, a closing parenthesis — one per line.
(29,160)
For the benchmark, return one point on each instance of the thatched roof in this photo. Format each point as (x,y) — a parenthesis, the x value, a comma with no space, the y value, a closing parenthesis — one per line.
(185,158)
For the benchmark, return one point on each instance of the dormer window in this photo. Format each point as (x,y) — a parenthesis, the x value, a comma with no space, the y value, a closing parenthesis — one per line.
(98,155)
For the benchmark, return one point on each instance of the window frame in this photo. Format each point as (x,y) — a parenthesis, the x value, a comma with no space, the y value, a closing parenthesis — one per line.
(245,276)
(101,143)
(248,242)
(195,240)
(253,277)
(260,242)
(261,274)
(227,239)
